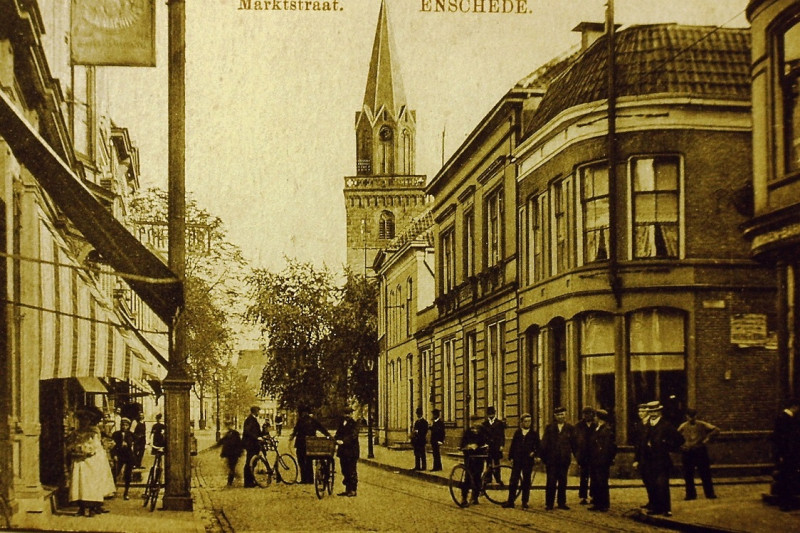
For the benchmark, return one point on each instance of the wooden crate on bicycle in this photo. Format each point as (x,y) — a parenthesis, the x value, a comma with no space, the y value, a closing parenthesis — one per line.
(320,447)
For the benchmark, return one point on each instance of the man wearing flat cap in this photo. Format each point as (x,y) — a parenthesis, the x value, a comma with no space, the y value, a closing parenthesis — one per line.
(558,445)
(601,450)
(661,439)
(347,438)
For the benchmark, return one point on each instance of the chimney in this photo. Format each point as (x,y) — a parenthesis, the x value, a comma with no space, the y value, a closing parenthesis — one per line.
(590,32)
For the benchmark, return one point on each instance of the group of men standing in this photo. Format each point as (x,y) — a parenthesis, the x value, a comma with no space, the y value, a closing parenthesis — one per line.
(419,440)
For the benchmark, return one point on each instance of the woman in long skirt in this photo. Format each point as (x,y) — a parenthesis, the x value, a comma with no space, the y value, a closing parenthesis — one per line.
(90,478)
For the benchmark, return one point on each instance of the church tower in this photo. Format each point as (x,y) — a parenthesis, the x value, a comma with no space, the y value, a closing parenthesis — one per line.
(385,194)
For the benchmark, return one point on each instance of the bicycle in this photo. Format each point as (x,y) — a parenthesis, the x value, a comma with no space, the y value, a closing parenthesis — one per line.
(321,450)
(269,462)
(154,481)
(461,481)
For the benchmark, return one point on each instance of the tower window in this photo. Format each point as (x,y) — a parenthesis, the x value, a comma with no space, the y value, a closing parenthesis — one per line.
(386,226)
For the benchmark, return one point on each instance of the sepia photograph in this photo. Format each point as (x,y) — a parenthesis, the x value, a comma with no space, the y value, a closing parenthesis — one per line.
(400,265)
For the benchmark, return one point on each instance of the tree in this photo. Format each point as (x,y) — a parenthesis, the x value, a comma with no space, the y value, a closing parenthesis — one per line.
(319,336)
(215,271)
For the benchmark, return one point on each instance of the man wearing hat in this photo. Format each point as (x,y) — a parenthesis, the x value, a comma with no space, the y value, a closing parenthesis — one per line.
(496,433)
(558,445)
(418,439)
(437,439)
(474,443)
(123,453)
(251,432)
(583,431)
(306,426)
(602,448)
(661,438)
(638,440)
(347,438)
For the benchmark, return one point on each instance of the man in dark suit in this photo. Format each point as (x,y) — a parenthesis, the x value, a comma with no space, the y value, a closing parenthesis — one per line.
(523,450)
(306,426)
(584,430)
(638,440)
(786,447)
(495,430)
(661,439)
(474,443)
(558,445)
(437,439)
(139,440)
(601,450)
(347,438)
(418,439)
(123,453)
(251,432)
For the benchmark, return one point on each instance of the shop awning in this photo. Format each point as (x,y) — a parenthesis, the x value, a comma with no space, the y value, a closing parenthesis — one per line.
(91,384)
(146,274)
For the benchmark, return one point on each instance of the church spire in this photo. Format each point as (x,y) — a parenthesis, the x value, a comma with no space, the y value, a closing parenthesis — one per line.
(384,85)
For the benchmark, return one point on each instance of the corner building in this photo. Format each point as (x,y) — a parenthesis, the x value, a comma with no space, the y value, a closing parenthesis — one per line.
(635,283)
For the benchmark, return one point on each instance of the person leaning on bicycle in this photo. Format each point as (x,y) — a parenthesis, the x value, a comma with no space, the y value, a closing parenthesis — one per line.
(474,445)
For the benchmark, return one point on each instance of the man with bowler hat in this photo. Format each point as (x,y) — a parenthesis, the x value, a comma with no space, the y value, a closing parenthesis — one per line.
(601,450)
(495,430)
(583,431)
(558,445)
(347,438)
(437,439)
(661,439)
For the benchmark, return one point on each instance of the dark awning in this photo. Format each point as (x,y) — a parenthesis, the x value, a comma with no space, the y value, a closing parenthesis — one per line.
(151,279)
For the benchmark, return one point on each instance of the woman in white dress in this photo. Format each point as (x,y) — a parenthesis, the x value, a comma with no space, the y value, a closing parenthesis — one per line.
(91,478)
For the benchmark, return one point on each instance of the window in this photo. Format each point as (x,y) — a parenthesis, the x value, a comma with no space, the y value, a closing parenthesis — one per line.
(83,80)
(655,207)
(390,327)
(426,387)
(562,245)
(409,306)
(408,166)
(386,226)
(449,385)
(495,361)
(790,87)
(657,361)
(399,314)
(594,204)
(364,162)
(536,247)
(386,150)
(448,260)
(470,354)
(597,359)
(469,243)
(494,227)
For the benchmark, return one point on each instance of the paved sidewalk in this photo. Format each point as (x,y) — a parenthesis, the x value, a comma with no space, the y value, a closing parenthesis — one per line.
(740,510)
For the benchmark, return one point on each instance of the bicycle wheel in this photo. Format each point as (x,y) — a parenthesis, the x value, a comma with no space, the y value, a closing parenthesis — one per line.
(496,492)
(321,477)
(270,456)
(286,469)
(154,488)
(262,472)
(460,480)
(331,475)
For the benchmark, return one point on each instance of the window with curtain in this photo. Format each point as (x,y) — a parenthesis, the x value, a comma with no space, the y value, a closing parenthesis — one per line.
(494,227)
(656,200)
(790,87)
(561,250)
(594,202)
(596,345)
(657,346)
(448,241)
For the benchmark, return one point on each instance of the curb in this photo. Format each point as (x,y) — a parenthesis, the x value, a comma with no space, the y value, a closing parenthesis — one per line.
(669,523)
(439,480)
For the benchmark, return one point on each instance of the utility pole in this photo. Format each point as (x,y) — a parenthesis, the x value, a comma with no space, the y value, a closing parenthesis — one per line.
(178,474)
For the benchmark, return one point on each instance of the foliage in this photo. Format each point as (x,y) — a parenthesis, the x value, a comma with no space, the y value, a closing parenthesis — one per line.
(236,395)
(215,271)
(319,335)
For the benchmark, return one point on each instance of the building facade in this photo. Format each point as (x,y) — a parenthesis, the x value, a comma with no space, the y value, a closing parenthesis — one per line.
(774,231)
(405,305)
(385,194)
(69,336)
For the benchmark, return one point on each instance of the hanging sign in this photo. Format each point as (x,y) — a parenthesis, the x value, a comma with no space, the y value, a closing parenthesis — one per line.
(113,33)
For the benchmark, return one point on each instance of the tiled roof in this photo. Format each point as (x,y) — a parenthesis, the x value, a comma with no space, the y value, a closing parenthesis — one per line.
(544,75)
(420,228)
(697,61)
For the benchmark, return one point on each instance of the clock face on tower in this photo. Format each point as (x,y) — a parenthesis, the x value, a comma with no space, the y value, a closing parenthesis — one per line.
(386,133)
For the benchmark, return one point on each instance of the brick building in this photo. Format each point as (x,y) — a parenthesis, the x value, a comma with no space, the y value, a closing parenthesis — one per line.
(635,283)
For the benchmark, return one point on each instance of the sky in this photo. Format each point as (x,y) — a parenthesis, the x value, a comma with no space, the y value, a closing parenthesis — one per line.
(271,99)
